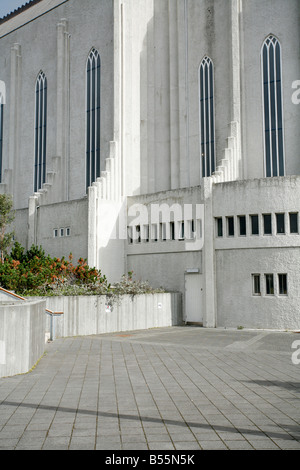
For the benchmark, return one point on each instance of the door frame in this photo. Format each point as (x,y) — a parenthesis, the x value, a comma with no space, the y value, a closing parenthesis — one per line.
(192,272)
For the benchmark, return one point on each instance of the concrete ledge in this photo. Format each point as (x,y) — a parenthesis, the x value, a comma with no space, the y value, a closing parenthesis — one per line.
(22,335)
(90,315)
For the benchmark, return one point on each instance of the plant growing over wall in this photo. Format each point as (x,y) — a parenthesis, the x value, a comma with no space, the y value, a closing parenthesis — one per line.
(31,272)
(6,218)
(129,286)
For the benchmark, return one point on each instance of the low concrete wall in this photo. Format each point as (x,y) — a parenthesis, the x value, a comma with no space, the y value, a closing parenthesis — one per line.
(22,335)
(90,315)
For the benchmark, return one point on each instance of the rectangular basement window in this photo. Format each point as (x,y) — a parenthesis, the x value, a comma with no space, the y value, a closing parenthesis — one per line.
(242,225)
(254,225)
(256,284)
(181,231)
(172,230)
(230,226)
(145,236)
(280,223)
(282,284)
(163,231)
(294,222)
(219,222)
(138,234)
(130,235)
(154,232)
(191,229)
(267,224)
(269,284)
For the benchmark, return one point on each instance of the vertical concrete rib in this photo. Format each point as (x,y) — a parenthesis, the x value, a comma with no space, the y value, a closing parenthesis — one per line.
(174,95)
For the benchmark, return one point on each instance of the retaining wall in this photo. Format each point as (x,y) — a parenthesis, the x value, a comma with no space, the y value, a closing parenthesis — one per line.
(22,335)
(91,315)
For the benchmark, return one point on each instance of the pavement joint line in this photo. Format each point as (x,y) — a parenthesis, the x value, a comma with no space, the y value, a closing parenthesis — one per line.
(199,388)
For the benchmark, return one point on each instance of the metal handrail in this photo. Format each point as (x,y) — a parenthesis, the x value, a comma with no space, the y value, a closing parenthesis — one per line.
(47,310)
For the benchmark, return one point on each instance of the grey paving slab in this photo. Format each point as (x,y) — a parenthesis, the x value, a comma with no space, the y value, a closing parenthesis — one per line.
(180,388)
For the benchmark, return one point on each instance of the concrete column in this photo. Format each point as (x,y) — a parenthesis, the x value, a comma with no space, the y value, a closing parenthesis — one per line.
(63,105)
(32,221)
(162,96)
(236,9)
(210,307)
(182,21)
(174,95)
(150,102)
(118,96)
(14,126)
(92,225)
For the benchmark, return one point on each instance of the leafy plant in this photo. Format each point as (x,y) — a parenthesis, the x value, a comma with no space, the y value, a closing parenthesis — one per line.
(31,272)
(130,286)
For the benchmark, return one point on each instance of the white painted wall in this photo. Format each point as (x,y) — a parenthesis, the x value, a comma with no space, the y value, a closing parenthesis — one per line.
(236,304)
(22,335)
(238,257)
(38,50)
(90,315)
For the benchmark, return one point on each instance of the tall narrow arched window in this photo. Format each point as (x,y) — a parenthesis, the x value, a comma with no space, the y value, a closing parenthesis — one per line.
(1,133)
(272,107)
(207,118)
(40,131)
(93,107)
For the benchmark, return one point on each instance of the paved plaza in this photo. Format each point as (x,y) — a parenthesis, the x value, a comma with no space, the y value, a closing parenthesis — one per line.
(179,388)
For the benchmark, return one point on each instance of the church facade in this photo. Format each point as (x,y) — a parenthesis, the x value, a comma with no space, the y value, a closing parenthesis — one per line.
(161,137)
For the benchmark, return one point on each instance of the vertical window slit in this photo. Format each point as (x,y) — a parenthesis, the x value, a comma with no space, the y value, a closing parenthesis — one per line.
(206,114)
(272,104)
(93,114)
(40,161)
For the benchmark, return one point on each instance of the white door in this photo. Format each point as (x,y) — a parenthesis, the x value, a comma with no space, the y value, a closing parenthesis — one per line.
(193,298)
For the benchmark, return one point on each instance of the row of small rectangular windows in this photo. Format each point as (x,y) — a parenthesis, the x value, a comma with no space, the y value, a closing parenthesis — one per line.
(61,232)
(257,226)
(269,284)
(164,231)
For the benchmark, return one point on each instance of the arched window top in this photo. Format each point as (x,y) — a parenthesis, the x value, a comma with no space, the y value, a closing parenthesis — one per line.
(41,75)
(206,61)
(271,40)
(93,53)
(93,59)
(41,81)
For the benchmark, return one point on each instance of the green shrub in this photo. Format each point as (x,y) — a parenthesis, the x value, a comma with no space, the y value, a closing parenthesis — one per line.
(31,272)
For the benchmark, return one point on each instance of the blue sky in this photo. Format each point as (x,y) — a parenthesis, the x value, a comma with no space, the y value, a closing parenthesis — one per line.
(7,6)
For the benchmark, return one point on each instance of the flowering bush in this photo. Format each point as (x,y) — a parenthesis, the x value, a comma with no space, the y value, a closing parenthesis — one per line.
(34,273)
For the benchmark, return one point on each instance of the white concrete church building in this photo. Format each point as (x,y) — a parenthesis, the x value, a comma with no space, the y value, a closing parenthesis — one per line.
(161,137)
